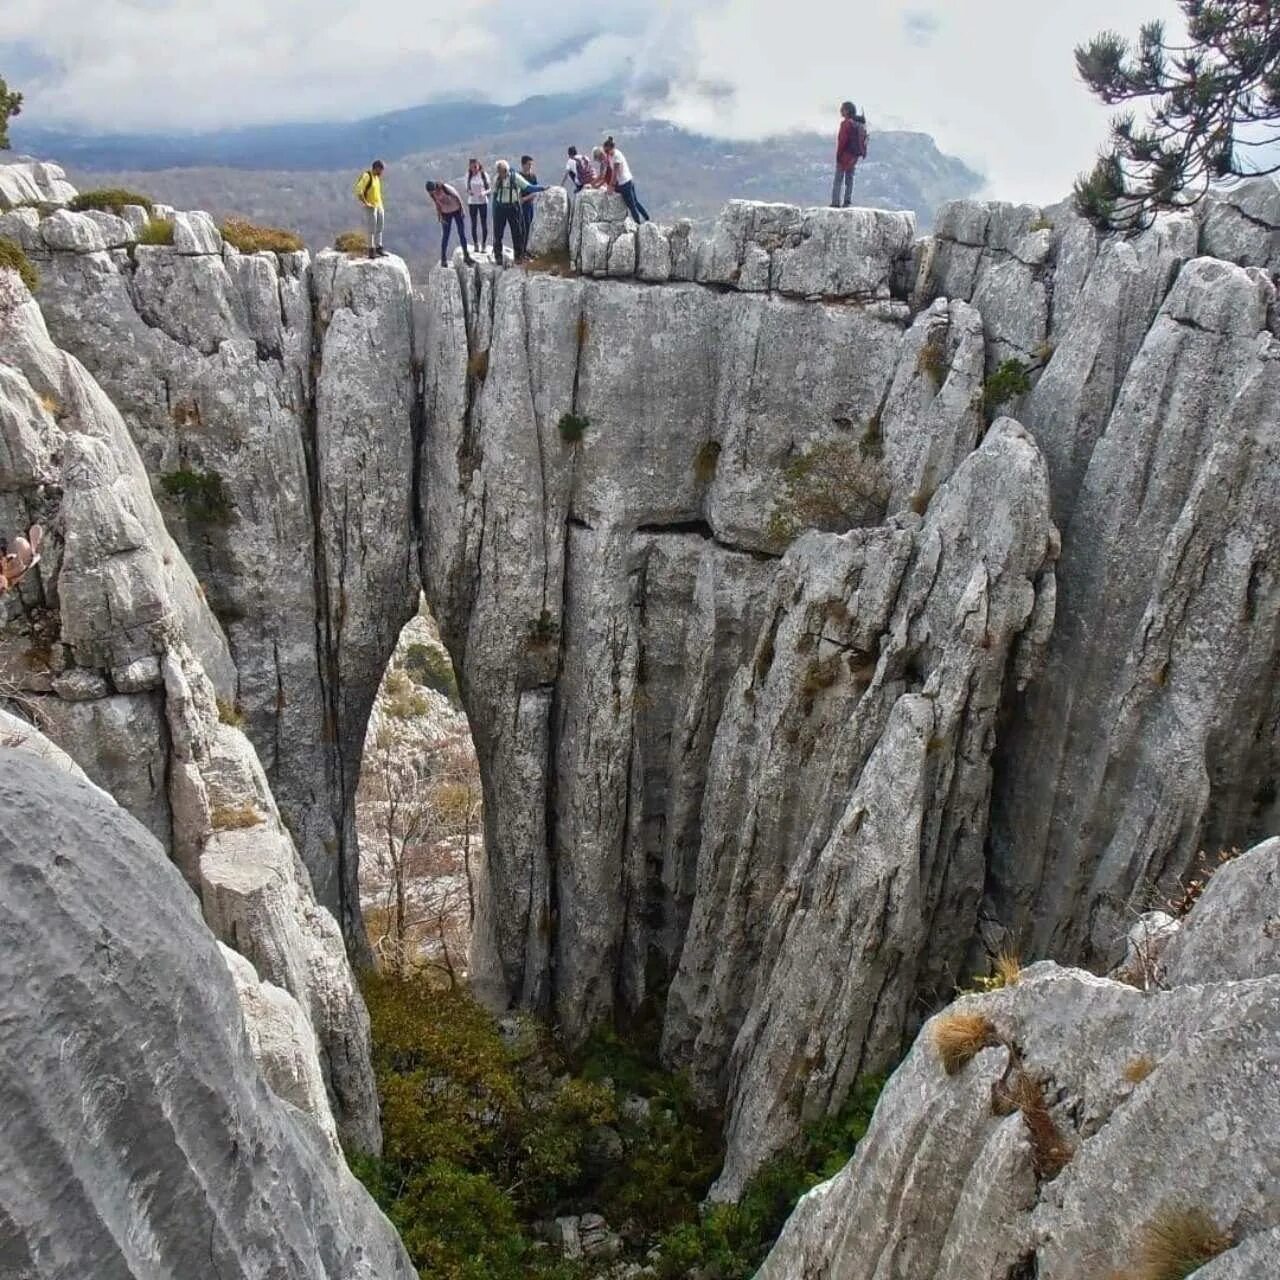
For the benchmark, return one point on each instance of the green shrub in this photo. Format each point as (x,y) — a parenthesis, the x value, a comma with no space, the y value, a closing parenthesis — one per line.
(246,236)
(14,257)
(351,242)
(403,700)
(731,1240)
(159,231)
(573,427)
(429,665)
(708,459)
(109,200)
(832,486)
(202,493)
(1009,381)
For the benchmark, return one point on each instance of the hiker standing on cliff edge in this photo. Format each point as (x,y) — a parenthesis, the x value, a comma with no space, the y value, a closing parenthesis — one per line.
(368,191)
(851,146)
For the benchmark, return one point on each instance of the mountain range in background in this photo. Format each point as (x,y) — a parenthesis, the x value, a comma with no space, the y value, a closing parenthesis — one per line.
(300,175)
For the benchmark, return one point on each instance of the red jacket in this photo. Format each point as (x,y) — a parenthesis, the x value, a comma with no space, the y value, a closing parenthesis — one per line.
(850,144)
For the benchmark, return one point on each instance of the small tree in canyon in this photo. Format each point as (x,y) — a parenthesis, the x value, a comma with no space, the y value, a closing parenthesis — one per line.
(420,822)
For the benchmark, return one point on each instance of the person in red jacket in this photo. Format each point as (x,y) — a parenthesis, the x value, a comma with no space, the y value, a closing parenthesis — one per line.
(851,146)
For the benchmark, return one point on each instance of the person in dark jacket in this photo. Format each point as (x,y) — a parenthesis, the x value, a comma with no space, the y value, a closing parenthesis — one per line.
(510,190)
(526,205)
(851,146)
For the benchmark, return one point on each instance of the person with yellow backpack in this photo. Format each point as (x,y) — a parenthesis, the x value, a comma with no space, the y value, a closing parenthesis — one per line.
(368,189)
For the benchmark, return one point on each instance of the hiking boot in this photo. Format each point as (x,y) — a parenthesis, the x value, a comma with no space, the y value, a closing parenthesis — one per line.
(469,260)
(381,252)
(373,253)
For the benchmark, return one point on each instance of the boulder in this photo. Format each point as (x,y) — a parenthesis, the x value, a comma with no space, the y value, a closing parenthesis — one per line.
(123,1035)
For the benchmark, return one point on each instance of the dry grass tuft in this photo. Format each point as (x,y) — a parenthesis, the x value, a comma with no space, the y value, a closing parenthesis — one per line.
(1176,1242)
(351,242)
(1050,1151)
(159,231)
(478,365)
(235,817)
(1137,1070)
(248,237)
(1008,968)
(959,1037)
(230,713)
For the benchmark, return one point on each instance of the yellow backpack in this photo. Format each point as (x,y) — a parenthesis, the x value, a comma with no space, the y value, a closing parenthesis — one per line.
(361,186)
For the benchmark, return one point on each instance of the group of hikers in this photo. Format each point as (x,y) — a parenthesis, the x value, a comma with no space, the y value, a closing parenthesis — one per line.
(512,192)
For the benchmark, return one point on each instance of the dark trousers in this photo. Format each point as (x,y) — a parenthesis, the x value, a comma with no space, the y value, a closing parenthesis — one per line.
(480,214)
(504,216)
(450,221)
(845,176)
(528,222)
(628,192)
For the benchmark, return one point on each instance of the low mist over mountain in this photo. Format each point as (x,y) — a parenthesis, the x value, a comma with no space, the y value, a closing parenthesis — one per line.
(300,176)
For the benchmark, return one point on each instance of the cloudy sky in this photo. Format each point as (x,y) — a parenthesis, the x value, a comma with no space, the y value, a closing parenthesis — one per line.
(992,80)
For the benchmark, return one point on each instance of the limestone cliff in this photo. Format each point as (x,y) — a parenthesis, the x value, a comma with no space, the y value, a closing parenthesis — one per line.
(1101,1110)
(108,644)
(804,669)
(137,1135)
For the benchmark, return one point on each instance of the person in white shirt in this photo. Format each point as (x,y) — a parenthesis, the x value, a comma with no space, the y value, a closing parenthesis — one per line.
(577,172)
(622,181)
(478,202)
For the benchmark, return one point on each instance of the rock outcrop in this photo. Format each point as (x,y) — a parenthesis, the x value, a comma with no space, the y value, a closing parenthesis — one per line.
(102,644)
(137,1134)
(755,599)
(1100,1111)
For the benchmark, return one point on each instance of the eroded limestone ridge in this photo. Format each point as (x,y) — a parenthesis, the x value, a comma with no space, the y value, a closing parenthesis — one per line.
(109,646)
(831,607)
(1083,1122)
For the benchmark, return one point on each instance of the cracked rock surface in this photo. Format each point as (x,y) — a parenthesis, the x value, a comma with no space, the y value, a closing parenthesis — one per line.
(1160,1098)
(137,1134)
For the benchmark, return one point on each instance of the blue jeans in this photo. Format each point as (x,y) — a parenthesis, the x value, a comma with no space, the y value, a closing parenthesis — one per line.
(450,220)
(638,212)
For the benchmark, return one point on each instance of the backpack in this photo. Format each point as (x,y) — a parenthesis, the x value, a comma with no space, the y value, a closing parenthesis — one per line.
(583,166)
(859,139)
(362,184)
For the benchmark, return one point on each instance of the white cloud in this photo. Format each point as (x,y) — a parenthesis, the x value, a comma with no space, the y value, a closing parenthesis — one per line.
(992,80)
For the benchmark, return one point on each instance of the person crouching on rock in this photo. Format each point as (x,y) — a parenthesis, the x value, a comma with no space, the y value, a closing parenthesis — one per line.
(622,181)
(577,172)
(448,205)
(601,174)
(509,190)
(368,191)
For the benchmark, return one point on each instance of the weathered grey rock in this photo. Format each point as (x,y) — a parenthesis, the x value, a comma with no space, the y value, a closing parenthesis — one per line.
(838,253)
(24,180)
(365,537)
(23,226)
(116,593)
(1234,932)
(282,1043)
(194,233)
(653,253)
(1166,635)
(1243,225)
(622,256)
(1156,1093)
(1095,344)
(900,670)
(116,231)
(596,219)
(123,1036)
(137,218)
(72,233)
(550,231)
(209,359)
